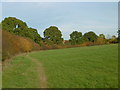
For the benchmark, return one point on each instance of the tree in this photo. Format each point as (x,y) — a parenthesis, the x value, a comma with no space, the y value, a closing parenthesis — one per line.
(53,35)
(118,32)
(101,39)
(18,27)
(118,35)
(33,34)
(102,36)
(13,25)
(90,36)
(75,37)
(113,39)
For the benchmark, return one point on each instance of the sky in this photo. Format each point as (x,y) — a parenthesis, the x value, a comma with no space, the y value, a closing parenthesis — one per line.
(100,17)
(59,0)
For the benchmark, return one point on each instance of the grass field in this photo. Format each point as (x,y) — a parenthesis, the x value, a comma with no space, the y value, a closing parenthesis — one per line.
(82,67)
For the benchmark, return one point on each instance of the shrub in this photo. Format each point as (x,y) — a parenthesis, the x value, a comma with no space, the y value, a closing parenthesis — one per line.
(100,41)
(13,44)
(113,41)
(87,44)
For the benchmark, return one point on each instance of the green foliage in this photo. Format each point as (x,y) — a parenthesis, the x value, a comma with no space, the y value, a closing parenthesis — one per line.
(18,27)
(118,36)
(76,37)
(100,40)
(53,35)
(90,36)
(102,36)
(119,33)
(113,39)
(11,24)
(33,34)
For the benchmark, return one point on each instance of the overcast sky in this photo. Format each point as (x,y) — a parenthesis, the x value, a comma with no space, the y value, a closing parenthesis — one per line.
(60,0)
(100,17)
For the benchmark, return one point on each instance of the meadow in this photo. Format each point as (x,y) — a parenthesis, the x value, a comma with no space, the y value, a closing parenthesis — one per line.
(80,67)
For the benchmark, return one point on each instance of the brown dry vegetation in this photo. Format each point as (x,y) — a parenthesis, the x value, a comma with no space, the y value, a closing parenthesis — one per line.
(13,44)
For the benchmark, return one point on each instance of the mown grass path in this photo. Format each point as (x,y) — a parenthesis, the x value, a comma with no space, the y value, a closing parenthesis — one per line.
(42,77)
(23,71)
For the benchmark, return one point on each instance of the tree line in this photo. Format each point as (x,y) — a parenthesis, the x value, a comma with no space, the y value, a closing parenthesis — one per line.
(52,35)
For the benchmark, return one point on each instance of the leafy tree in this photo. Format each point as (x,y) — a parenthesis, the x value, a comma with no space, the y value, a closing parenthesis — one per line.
(113,39)
(13,25)
(101,39)
(18,27)
(90,36)
(76,37)
(102,36)
(33,34)
(118,35)
(53,35)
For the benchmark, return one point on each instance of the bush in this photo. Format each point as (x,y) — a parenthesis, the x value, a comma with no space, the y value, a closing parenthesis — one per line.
(100,41)
(12,45)
(87,44)
(113,41)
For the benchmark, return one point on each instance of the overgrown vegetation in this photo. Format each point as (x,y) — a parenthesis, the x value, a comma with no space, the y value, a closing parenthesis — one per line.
(12,45)
(118,35)
(18,37)
(18,27)
(87,67)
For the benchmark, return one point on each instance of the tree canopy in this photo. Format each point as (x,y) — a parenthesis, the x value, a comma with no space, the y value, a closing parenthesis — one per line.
(102,36)
(118,34)
(18,27)
(90,36)
(11,24)
(53,35)
(76,37)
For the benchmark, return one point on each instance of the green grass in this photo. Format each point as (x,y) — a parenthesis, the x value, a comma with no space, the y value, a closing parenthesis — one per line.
(82,67)
(20,73)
